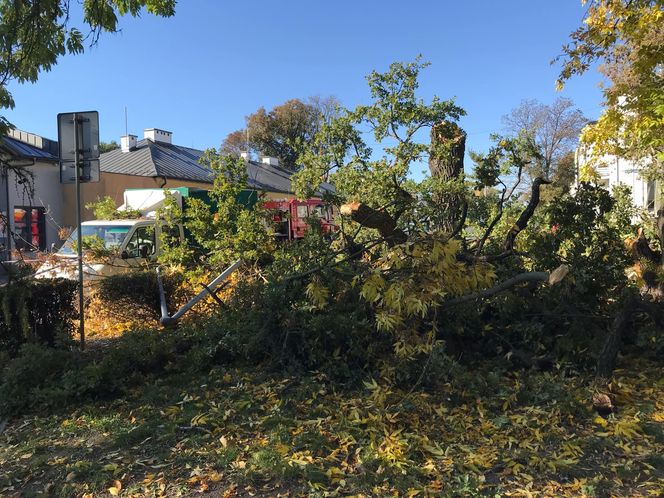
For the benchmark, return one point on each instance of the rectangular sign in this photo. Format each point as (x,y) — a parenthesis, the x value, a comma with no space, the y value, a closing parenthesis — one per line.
(88,135)
(89,171)
(87,129)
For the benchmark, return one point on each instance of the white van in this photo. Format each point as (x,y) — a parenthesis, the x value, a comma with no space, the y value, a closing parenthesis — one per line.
(129,244)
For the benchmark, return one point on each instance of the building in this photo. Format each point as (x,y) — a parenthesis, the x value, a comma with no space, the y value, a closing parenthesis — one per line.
(38,206)
(31,199)
(614,170)
(156,162)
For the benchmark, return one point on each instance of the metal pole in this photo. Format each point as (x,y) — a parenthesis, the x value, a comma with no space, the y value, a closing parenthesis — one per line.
(10,216)
(81,314)
(209,289)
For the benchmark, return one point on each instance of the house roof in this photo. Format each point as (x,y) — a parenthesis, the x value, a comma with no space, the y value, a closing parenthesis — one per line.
(24,150)
(158,159)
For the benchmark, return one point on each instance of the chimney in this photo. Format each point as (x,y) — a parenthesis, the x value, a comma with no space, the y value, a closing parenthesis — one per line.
(157,135)
(127,142)
(272,161)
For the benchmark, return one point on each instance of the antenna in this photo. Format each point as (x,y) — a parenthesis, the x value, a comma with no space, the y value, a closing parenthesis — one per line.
(126,126)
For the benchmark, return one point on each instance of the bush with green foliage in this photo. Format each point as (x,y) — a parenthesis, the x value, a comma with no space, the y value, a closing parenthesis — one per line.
(38,312)
(42,378)
(105,209)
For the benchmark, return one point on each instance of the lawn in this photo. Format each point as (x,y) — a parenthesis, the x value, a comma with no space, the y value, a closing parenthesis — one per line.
(241,431)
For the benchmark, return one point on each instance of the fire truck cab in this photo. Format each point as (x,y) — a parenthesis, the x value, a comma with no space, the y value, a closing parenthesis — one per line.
(290,216)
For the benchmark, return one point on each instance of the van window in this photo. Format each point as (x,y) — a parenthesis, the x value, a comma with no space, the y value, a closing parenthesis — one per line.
(319,211)
(112,236)
(142,237)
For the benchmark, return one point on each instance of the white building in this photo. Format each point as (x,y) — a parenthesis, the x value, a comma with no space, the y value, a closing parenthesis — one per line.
(614,170)
(33,208)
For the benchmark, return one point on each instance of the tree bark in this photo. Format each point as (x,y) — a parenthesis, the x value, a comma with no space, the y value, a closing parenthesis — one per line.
(377,219)
(526,214)
(606,360)
(448,146)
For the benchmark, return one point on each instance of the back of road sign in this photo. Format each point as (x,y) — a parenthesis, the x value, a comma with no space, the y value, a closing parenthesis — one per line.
(87,128)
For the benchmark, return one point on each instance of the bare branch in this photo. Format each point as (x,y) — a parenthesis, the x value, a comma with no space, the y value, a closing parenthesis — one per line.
(526,214)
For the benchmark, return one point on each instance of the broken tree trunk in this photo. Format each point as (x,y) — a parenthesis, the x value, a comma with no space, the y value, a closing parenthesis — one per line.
(448,145)
(606,360)
(377,219)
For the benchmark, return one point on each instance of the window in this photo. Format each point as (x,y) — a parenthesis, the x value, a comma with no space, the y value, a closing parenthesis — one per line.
(302,212)
(30,228)
(319,211)
(141,243)
(650,196)
(112,235)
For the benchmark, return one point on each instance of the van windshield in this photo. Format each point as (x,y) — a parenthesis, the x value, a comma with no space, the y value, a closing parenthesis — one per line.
(112,237)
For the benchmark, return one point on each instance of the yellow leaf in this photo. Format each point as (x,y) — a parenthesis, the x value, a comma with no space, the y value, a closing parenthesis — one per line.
(601,421)
(114,491)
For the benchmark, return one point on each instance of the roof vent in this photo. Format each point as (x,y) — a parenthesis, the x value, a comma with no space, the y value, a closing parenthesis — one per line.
(157,135)
(127,142)
(272,161)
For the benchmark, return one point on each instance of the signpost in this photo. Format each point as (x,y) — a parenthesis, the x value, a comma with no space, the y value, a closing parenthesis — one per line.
(78,140)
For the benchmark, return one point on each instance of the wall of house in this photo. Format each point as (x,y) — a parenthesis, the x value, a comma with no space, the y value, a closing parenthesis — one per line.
(47,195)
(614,170)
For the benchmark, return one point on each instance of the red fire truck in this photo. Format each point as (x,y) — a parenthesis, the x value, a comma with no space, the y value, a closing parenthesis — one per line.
(291,215)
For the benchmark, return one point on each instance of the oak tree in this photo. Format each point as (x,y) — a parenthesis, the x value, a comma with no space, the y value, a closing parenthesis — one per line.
(282,132)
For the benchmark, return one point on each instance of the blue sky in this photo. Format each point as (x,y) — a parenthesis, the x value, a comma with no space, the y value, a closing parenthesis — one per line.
(199,73)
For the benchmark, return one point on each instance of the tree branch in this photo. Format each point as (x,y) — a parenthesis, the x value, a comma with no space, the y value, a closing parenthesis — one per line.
(526,214)
(536,276)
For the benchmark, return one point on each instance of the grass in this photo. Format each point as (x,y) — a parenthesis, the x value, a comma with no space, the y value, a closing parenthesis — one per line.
(238,431)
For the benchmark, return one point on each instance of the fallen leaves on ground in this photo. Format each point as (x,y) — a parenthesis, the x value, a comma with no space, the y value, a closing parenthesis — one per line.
(238,432)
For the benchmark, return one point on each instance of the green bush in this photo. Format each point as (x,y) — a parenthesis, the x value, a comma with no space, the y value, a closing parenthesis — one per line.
(36,312)
(276,322)
(41,378)
(34,378)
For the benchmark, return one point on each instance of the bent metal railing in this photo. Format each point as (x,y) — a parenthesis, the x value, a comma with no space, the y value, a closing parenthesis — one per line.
(167,320)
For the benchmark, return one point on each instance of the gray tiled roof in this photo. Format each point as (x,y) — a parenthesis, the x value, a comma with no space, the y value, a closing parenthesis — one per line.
(21,149)
(157,159)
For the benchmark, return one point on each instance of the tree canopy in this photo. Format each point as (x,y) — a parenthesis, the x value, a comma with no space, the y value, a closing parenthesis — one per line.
(627,39)
(551,131)
(282,132)
(34,34)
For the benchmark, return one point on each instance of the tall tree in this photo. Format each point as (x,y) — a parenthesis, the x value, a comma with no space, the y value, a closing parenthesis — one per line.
(448,145)
(548,132)
(282,132)
(627,38)
(35,33)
